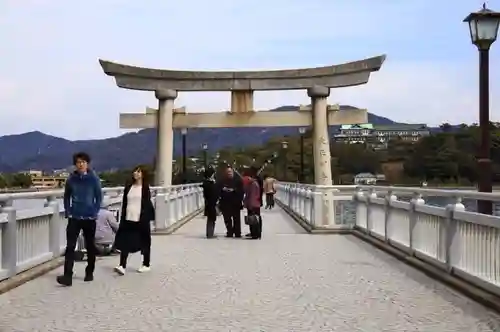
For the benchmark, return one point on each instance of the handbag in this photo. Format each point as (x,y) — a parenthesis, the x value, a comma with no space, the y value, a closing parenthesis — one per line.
(252,220)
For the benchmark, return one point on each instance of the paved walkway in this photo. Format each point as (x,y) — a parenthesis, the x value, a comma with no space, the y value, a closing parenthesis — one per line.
(286,282)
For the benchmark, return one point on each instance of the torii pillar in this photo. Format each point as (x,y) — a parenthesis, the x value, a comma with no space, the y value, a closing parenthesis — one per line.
(321,141)
(321,151)
(165,137)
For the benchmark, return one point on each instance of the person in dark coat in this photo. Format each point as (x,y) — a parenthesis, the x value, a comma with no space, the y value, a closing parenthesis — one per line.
(260,182)
(134,232)
(231,194)
(211,196)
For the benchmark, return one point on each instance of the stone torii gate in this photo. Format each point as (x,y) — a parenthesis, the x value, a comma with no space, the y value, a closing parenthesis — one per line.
(318,82)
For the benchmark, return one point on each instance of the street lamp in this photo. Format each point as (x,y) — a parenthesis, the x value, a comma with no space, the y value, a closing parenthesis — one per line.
(483,27)
(284,145)
(204,146)
(184,154)
(302,131)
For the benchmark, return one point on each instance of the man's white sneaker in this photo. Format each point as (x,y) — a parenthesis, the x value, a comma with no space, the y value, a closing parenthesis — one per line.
(143,269)
(120,270)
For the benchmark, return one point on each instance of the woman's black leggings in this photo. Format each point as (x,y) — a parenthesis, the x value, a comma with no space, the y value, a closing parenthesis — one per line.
(146,257)
(145,233)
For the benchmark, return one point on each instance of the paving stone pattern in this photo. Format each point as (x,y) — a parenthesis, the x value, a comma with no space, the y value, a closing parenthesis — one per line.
(287,282)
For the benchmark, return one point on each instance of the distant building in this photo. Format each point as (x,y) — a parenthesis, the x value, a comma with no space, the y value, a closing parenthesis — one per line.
(61,172)
(48,182)
(379,136)
(41,181)
(365,178)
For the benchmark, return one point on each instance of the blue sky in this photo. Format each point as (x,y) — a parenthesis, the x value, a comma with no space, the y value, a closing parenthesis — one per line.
(50,79)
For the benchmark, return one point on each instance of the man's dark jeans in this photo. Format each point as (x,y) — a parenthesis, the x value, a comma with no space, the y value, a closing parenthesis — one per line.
(269,200)
(73,229)
(232,219)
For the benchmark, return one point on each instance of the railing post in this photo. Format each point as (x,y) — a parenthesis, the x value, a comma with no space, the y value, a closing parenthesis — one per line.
(200,202)
(308,205)
(187,195)
(54,227)
(329,196)
(450,231)
(161,210)
(416,200)
(302,202)
(171,206)
(372,194)
(318,207)
(357,199)
(176,202)
(388,198)
(9,239)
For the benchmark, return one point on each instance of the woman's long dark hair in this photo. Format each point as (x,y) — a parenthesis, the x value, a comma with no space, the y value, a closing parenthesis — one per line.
(145,175)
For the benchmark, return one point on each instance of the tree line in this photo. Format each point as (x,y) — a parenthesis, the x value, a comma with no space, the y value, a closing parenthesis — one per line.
(447,157)
(15,180)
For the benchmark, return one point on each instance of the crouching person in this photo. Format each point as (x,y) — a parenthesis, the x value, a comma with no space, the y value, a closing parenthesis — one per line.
(106,228)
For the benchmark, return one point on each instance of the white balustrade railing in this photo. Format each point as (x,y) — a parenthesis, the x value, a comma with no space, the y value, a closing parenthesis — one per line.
(319,206)
(33,235)
(448,235)
(463,243)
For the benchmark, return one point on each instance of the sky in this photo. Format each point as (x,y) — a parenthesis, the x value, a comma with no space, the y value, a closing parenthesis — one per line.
(51,81)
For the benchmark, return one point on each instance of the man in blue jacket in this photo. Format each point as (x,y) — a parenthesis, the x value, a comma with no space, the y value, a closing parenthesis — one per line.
(82,201)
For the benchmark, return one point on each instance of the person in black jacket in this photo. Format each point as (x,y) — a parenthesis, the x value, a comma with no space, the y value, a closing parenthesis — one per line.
(260,181)
(211,196)
(231,194)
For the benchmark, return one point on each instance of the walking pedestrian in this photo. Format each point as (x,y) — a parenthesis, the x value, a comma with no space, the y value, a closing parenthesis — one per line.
(211,196)
(82,201)
(269,190)
(134,232)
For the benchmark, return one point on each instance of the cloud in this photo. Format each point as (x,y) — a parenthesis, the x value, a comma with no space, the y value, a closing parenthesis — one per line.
(51,80)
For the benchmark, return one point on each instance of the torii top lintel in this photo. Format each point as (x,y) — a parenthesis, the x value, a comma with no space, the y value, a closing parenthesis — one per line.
(139,78)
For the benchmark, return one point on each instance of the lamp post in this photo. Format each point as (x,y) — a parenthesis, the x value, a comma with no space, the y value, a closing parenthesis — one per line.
(217,156)
(302,131)
(483,27)
(184,154)
(284,145)
(204,146)
(273,161)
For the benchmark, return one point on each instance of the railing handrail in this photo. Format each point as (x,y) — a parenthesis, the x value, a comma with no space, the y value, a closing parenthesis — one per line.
(455,193)
(60,192)
(434,192)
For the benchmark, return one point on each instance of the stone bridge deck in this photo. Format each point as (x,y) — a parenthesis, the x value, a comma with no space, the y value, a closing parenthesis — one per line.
(288,281)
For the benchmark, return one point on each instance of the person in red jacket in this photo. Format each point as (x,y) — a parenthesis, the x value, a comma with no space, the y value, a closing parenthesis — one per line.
(252,202)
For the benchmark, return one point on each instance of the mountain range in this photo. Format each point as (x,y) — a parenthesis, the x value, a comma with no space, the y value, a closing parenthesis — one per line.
(36,150)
